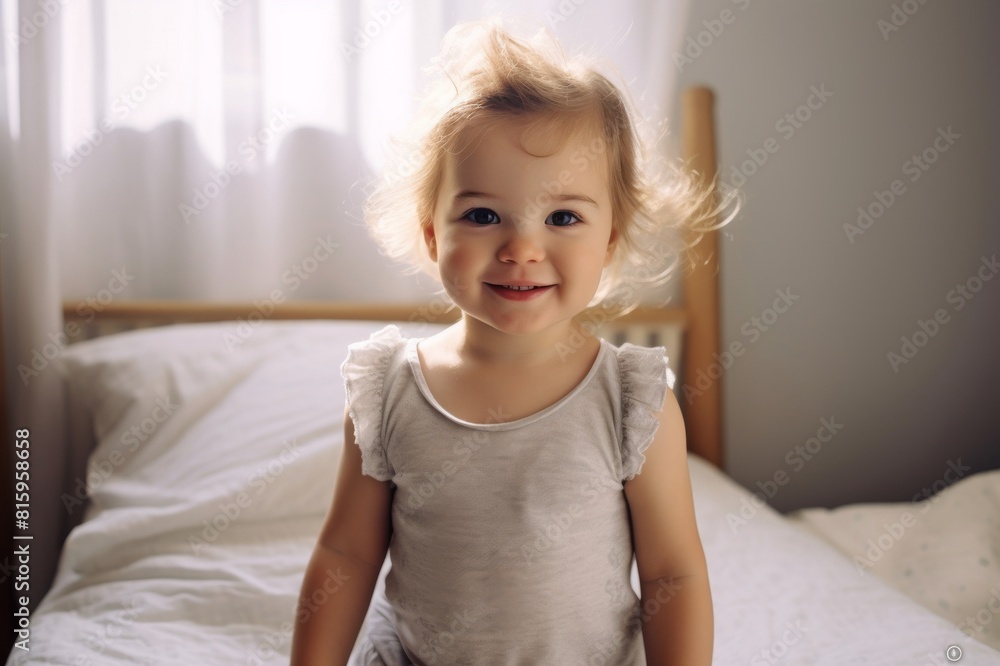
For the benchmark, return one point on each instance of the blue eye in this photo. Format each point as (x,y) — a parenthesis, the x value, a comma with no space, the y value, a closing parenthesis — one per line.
(564,218)
(481,216)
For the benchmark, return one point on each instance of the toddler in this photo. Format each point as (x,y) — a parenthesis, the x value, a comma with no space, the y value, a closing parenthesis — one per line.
(513,464)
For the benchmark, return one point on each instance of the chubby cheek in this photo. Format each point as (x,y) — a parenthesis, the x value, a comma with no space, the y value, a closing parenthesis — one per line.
(460,267)
(590,283)
(581,289)
(588,263)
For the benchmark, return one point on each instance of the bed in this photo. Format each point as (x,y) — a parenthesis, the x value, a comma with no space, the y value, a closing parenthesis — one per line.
(211,447)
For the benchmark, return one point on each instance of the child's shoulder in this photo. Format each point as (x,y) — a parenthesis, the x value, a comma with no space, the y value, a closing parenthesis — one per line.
(388,334)
(639,364)
(645,377)
(374,354)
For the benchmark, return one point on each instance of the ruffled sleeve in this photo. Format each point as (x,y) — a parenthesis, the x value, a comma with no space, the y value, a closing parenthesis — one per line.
(364,372)
(645,378)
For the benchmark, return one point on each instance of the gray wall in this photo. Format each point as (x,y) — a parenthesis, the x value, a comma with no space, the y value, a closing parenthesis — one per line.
(826,356)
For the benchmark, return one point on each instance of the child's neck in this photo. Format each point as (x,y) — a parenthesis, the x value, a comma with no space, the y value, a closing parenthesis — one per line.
(480,343)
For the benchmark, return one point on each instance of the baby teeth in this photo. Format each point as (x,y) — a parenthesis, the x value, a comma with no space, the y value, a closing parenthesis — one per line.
(507,286)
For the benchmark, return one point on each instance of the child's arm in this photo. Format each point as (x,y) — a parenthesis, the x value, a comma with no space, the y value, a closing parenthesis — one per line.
(344,567)
(677,622)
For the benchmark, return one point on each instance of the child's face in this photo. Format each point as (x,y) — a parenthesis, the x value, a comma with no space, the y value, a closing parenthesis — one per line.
(506,216)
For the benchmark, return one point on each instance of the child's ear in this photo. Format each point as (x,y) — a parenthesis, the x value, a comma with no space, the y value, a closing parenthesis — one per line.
(430,240)
(612,244)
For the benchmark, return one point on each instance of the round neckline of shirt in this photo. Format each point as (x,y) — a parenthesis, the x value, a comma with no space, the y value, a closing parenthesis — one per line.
(418,373)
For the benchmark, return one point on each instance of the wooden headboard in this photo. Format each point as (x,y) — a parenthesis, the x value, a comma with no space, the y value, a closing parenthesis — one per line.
(698,317)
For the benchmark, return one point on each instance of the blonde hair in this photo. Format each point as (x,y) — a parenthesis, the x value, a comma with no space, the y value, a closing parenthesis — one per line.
(658,209)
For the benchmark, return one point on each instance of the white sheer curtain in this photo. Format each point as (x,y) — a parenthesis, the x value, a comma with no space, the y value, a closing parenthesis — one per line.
(219,150)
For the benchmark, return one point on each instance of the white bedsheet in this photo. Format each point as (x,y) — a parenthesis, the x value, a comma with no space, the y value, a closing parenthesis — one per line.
(942,550)
(195,544)
(770,577)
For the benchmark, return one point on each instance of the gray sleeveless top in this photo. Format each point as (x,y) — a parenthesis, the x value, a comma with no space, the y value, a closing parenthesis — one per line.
(511,539)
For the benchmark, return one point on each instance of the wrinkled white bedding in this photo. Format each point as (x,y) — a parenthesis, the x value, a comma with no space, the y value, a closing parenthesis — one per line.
(942,549)
(215,464)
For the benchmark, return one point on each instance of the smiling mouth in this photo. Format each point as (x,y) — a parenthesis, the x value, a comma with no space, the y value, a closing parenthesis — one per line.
(515,287)
(517,292)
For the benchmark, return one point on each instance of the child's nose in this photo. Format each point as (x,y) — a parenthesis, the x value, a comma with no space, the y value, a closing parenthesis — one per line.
(521,245)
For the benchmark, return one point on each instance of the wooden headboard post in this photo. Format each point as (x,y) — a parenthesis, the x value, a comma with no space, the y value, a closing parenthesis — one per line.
(702,372)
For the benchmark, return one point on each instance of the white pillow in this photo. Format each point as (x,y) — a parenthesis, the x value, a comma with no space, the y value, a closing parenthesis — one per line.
(172,408)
